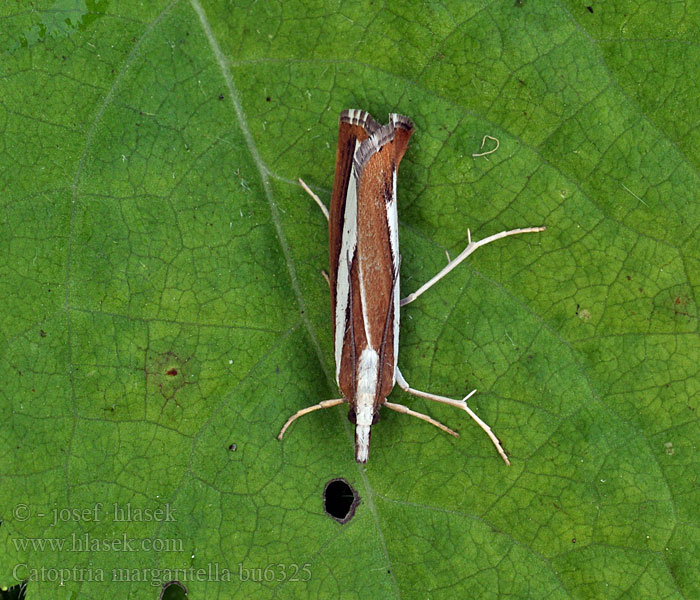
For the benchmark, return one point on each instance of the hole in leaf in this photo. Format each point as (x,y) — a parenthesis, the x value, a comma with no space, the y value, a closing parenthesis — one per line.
(173,590)
(16,592)
(340,500)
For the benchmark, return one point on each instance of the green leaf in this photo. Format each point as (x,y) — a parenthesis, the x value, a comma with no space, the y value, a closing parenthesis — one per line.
(165,311)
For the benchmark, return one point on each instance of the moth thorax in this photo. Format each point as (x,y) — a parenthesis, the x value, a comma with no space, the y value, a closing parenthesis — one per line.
(367,381)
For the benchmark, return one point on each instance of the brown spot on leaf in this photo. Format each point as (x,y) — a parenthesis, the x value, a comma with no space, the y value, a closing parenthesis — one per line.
(679,306)
(161,374)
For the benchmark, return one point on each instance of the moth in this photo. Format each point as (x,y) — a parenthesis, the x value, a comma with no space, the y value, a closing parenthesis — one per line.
(364,276)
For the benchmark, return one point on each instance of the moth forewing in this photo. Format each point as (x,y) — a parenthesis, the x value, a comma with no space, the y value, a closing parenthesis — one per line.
(365,323)
(364,275)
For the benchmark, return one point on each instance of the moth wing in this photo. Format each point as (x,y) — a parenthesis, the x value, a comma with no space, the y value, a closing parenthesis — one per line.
(364,245)
(355,126)
(375,272)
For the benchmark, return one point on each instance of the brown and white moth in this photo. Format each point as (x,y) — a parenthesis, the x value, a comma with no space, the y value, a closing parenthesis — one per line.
(364,276)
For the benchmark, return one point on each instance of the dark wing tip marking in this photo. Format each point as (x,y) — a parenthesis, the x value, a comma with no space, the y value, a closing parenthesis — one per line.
(401,122)
(379,135)
(373,144)
(354,116)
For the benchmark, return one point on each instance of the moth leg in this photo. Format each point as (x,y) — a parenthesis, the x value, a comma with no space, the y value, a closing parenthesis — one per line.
(407,411)
(308,409)
(403,384)
(471,247)
(316,199)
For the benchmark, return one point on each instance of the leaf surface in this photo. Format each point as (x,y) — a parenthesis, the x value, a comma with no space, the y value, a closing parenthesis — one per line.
(165,311)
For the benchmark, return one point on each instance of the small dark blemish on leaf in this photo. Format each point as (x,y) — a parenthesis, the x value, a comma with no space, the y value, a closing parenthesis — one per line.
(160,371)
(577,307)
(521,82)
(680,301)
(340,500)
(589,9)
